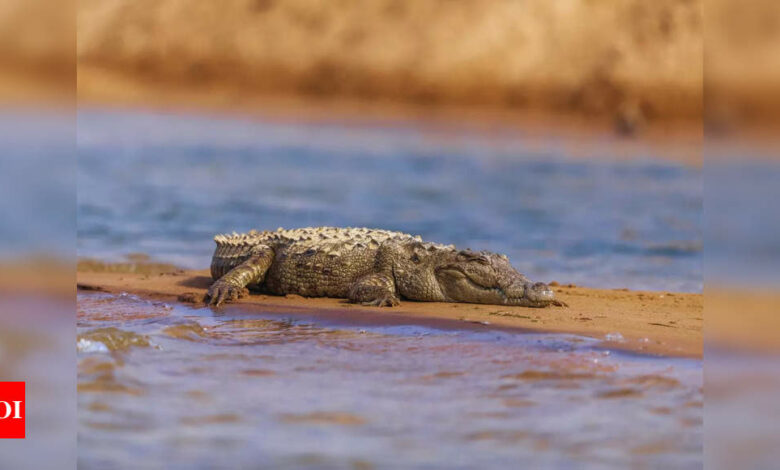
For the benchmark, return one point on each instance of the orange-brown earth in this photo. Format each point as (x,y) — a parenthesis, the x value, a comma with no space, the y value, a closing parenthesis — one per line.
(612,63)
(650,322)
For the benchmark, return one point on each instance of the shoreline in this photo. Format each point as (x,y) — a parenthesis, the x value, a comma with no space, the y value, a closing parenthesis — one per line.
(674,140)
(655,323)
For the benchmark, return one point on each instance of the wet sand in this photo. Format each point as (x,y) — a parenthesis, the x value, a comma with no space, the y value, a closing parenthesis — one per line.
(645,322)
(44,277)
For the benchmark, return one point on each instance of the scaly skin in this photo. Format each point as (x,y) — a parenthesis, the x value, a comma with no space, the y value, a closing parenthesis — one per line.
(366,266)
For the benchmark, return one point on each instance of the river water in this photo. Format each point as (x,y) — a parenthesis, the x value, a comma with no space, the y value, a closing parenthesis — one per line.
(171,386)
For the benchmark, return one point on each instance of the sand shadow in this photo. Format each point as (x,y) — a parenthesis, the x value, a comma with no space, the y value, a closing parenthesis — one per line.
(200,282)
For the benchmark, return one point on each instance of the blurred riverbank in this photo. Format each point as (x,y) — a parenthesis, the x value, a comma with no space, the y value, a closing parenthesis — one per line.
(582,64)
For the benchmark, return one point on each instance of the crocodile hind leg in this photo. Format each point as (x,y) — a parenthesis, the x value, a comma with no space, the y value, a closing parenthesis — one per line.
(233,284)
(376,289)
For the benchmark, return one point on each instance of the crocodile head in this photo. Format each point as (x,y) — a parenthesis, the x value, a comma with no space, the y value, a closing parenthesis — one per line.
(487,278)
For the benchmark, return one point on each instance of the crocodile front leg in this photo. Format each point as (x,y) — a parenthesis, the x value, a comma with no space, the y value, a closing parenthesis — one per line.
(376,289)
(232,285)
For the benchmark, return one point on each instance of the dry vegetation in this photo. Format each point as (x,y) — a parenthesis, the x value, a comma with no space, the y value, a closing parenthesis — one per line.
(588,56)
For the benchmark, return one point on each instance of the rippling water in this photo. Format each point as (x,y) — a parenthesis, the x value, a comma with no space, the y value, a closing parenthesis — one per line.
(163,386)
(169,386)
(165,184)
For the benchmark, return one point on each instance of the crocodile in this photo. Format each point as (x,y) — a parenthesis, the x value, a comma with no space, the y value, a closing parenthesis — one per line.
(367,266)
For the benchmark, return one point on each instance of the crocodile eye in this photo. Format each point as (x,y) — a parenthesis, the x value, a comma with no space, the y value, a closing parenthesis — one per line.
(415,258)
(482,260)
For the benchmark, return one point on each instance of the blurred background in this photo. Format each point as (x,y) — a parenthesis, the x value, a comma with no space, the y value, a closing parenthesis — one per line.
(578,136)
(742,263)
(627,61)
(37,232)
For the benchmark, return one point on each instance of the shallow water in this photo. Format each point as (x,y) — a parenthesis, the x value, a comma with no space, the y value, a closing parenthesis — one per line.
(165,184)
(169,386)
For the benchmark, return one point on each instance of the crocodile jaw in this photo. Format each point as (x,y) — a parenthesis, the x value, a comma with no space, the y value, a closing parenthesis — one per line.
(458,286)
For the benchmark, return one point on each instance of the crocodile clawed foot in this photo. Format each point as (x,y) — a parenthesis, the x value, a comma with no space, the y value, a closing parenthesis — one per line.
(387,301)
(221,292)
(560,303)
